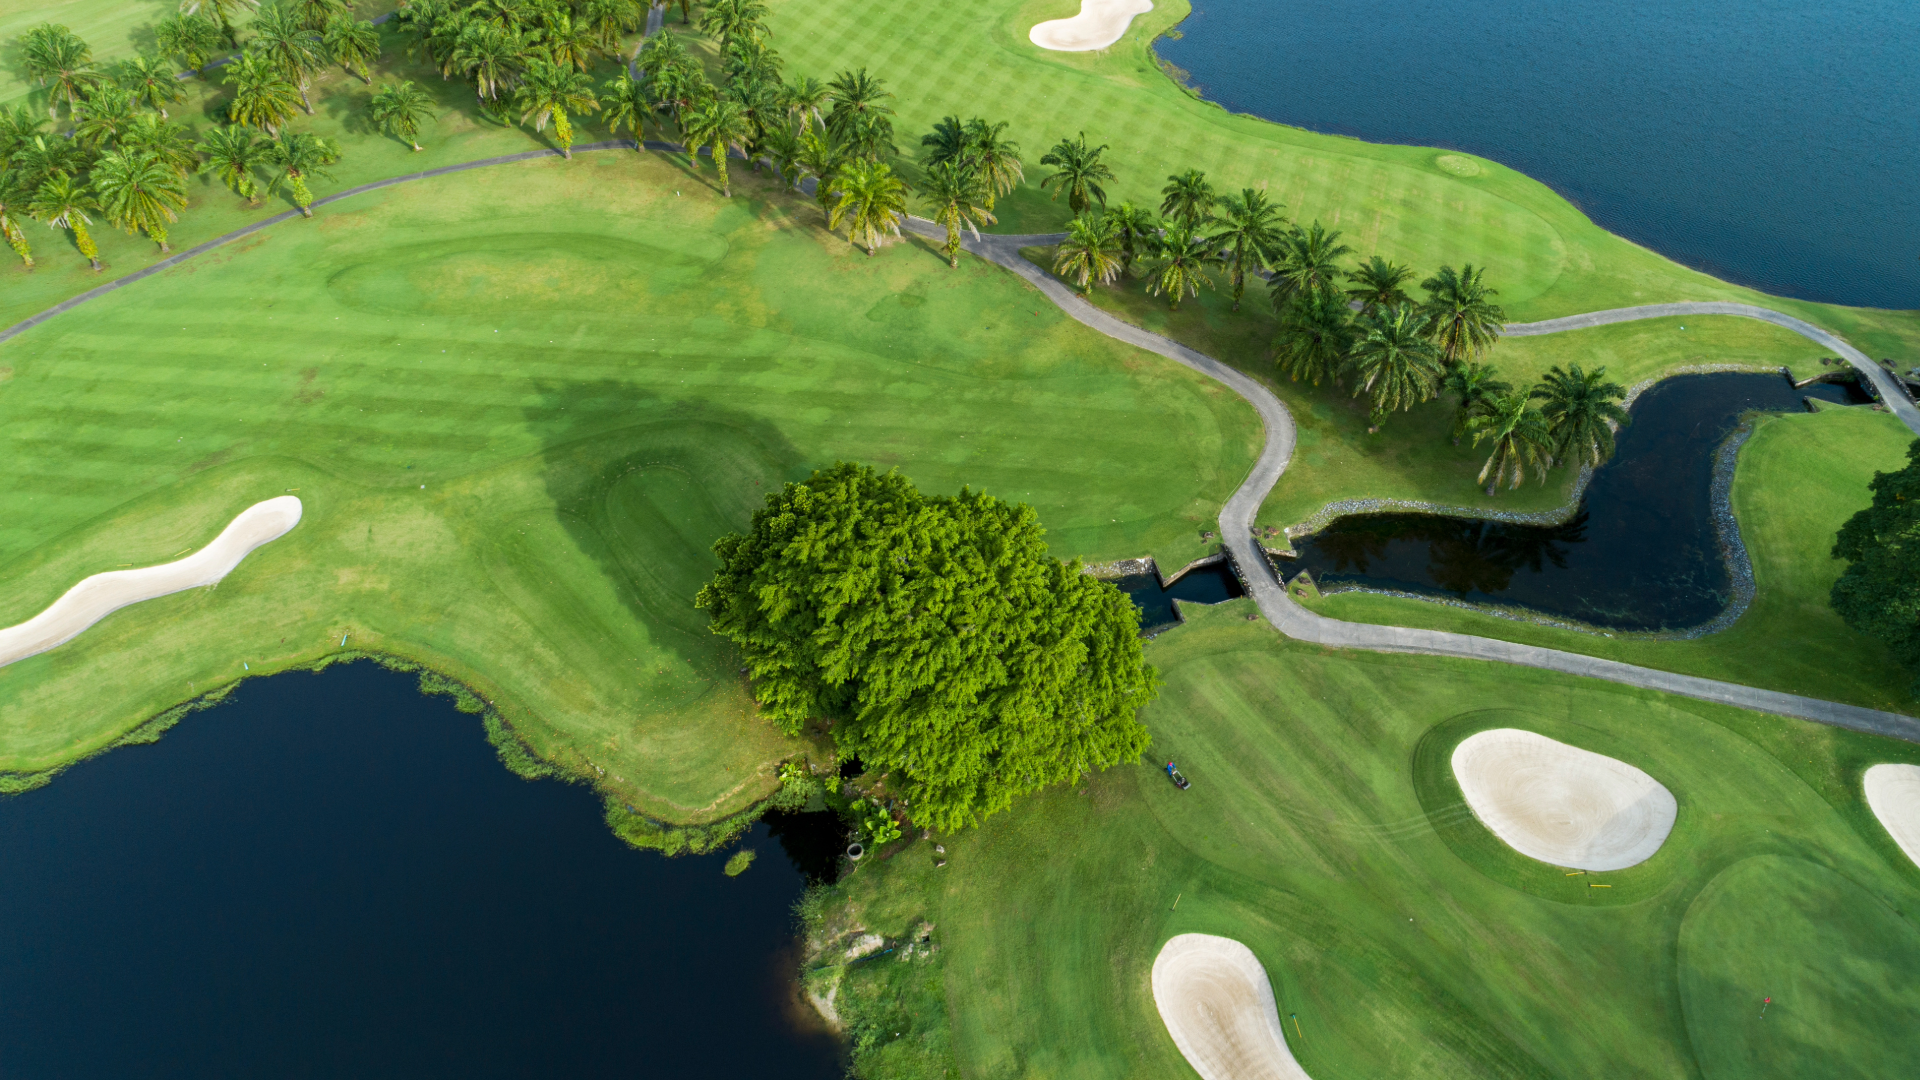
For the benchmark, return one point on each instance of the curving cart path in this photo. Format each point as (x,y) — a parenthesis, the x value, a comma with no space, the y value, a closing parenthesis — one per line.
(1236,518)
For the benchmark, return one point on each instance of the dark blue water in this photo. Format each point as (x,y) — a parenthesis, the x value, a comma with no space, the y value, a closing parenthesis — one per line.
(1770,142)
(1209,584)
(1642,553)
(334,877)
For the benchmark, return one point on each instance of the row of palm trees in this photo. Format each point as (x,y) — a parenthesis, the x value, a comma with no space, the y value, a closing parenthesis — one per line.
(1574,424)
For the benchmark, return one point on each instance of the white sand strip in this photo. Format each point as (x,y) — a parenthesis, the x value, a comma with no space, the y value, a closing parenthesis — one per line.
(1893,794)
(103,594)
(1561,804)
(1218,1005)
(1099,24)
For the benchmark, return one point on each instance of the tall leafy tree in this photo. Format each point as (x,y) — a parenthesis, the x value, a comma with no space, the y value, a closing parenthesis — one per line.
(1079,172)
(62,202)
(281,35)
(354,44)
(1393,363)
(1315,336)
(1306,259)
(1090,253)
(151,80)
(1137,231)
(221,13)
(859,119)
(399,109)
(549,91)
(300,156)
(1379,283)
(1474,386)
(234,156)
(1187,198)
(946,646)
(957,196)
(1519,437)
(1582,410)
(140,192)
(871,200)
(190,39)
(57,58)
(1878,594)
(1248,229)
(14,199)
(1465,322)
(262,97)
(1181,261)
(719,126)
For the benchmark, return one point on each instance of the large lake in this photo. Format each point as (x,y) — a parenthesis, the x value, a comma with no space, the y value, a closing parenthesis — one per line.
(1770,142)
(332,876)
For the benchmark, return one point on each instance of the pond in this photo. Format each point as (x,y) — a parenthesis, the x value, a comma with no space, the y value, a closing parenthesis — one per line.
(1768,142)
(1208,584)
(1641,553)
(332,875)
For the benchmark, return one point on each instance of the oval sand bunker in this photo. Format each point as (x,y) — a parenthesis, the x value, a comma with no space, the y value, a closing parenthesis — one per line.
(1099,24)
(1215,999)
(1893,793)
(1561,804)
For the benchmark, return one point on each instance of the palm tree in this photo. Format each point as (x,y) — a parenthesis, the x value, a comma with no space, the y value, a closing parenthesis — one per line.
(56,57)
(189,38)
(299,155)
(858,119)
(995,157)
(871,200)
(806,98)
(569,42)
(41,158)
(317,15)
(490,56)
(608,19)
(233,153)
(730,20)
(1183,257)
(14,198)
(719,125)
(1315,336)
(1305,260)
(549,91)
(62,202)
(1465,321)
(1377,284)
(1090,253)
(354,44)
(1582,412)
(1078,171)
(139,191)
(221,12)
(821,157)
(1187,198)
(1520,438)
(103,115)
(1475,385)
(262,97)
(1137,231)
(783,148)
(171,143)
(1393,362)
(280,35)
(625,102)
(399,109)
(957,195)
(17,128)
(151,80)
(948,141)
(1248,230)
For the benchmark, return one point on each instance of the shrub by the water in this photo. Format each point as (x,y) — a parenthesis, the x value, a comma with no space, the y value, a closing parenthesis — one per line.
(737,863)
(944,645)
(1879,592)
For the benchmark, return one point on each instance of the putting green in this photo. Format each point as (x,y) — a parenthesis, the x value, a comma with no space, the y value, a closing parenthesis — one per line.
(520,405)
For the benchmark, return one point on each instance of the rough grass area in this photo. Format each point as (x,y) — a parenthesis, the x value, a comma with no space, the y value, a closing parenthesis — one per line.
(519,406)
(1403,939)
(1799,478)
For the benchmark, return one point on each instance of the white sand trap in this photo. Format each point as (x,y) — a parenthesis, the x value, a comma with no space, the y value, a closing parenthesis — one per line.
(1215,999)
(1893,793)
(1099,24)
(1561,804)
(103,594)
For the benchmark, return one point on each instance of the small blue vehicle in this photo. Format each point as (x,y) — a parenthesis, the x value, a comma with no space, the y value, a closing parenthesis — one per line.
(1179,781)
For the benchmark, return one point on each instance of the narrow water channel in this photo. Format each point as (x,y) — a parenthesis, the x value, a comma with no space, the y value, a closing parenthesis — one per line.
(1209,584)
(333,876)
(1641,553)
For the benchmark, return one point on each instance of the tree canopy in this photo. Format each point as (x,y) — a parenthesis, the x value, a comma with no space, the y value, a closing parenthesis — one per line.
(1879,592)
(935,633)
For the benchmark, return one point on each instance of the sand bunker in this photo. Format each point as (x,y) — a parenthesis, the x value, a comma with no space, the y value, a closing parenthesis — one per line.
(103,594)
(1215,999)
(1561,804)
(1893,793)
(1099,24)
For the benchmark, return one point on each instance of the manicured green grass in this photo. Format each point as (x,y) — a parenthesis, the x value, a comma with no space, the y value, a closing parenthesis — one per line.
(520,405)
(1798,479)
(1404,939)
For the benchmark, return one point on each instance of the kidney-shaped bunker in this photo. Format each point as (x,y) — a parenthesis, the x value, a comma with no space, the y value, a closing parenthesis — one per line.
(1561,804)
(1215,999)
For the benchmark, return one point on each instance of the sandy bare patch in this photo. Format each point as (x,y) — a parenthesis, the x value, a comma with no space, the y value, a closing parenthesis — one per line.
(1561,804)
(101,595)
(1099,24)
(1893,793)
(1218,1005)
